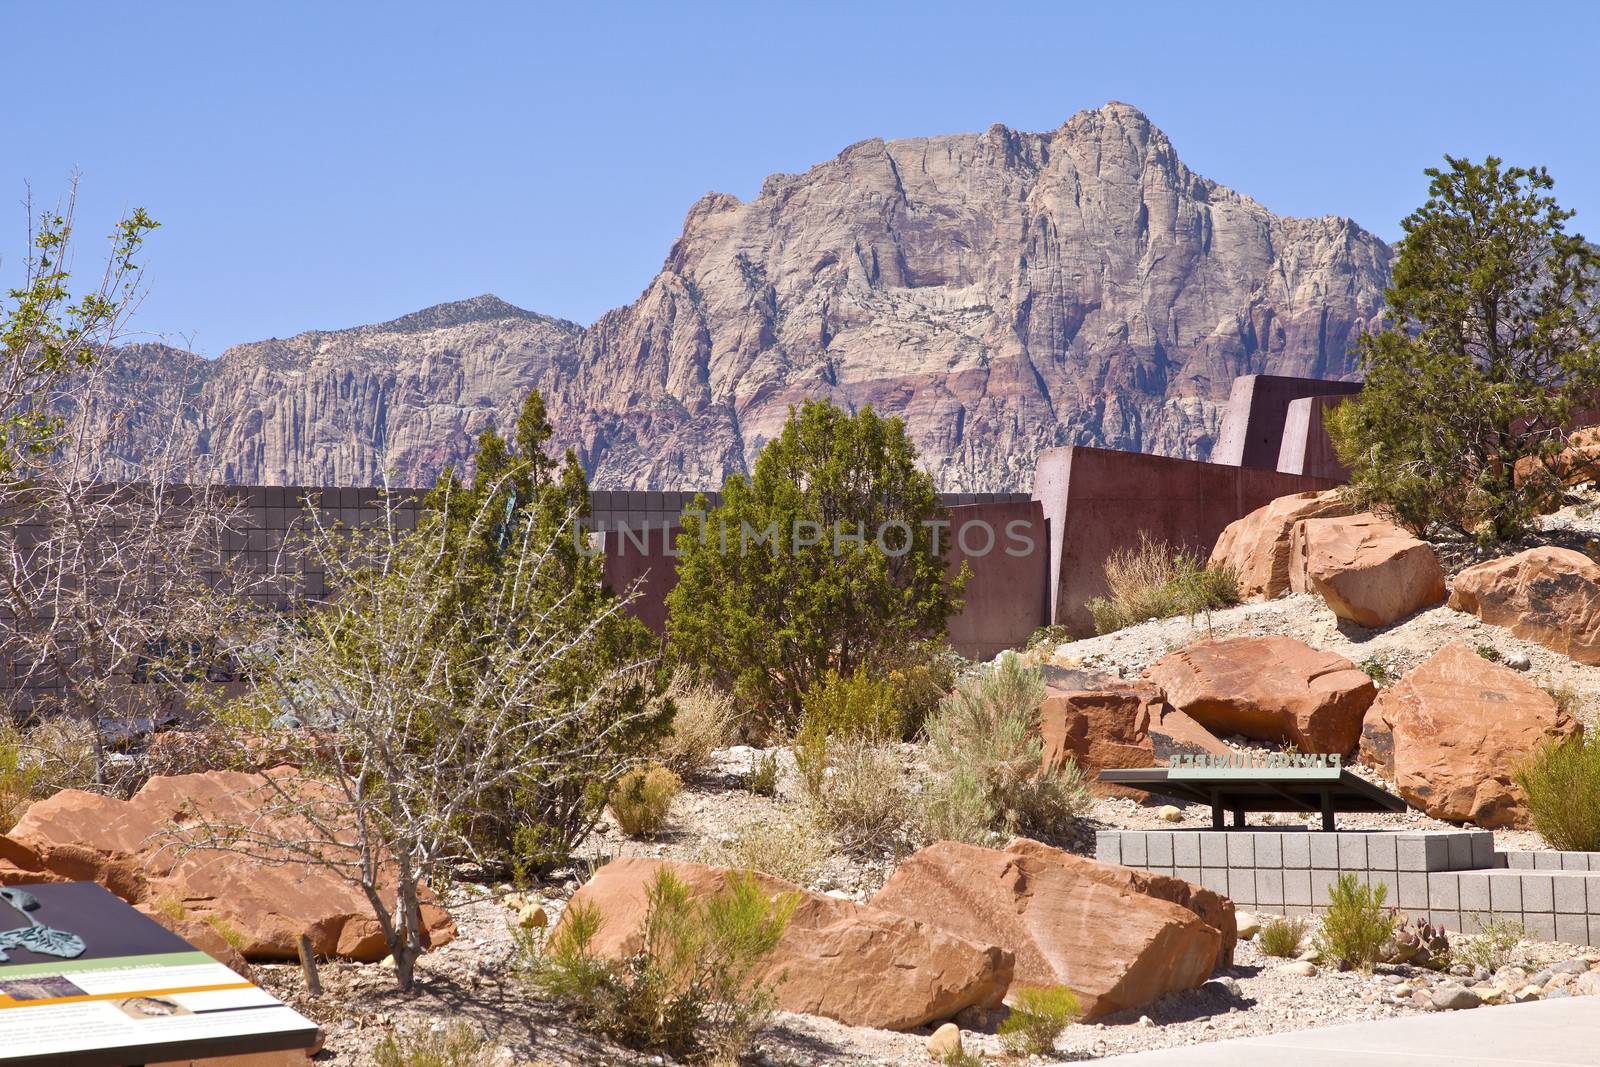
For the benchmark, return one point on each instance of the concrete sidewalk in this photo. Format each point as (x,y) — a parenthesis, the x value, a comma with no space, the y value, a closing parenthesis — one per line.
(1546,1032)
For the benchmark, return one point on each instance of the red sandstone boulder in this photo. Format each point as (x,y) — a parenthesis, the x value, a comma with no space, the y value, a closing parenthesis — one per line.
(860,965)
(1114,936)
(1548,595)
(1268,688)
(1451,734)
(1100,729)
(1367,570)
(126,846)
(1256,547)
(1176,733)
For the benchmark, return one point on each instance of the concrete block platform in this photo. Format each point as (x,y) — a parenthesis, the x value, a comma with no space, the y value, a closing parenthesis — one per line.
(1454,878)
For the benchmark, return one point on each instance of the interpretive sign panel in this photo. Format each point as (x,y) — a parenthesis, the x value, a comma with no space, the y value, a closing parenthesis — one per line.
(1309,784)
(88,981)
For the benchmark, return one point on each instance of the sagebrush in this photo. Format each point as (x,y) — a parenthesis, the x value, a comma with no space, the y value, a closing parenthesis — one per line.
(986,776)
(863,800)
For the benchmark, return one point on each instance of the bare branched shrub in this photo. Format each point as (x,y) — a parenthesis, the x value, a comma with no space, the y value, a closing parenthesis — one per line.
(703,720)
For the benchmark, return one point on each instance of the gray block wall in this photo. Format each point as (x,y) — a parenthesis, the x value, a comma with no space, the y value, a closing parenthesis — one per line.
(1454,878)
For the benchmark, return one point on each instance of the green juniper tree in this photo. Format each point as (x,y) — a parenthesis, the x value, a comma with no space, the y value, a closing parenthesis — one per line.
(830,557)
(1492,347)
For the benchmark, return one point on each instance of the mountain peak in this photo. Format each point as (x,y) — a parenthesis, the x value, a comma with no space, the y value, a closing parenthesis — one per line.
(485,307)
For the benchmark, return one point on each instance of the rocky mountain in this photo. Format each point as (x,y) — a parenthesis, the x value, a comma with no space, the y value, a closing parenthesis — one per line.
(1003,292)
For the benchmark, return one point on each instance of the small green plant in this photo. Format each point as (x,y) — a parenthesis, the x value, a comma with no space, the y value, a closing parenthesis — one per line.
(986,776)
(1356,928)
(837,707)
(1155,581)
(1281,935)
(692,990)
(1496,944)
(1039,1015)
(1562,784)
(1489,652)
(1569,700)
(457,1045)
(171,908)
(762,779)
(641,798)
(794,849)
(1378,669)
(228,932)
(1048,637)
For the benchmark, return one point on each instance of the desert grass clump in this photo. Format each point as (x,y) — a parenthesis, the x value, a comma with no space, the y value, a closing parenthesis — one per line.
(1039,1015)
(1155,581)
(986,776)
(862,800)
(1562,784)
(794,849)
(1281,935)
(641,798)
(703,720)
(1356,929)
(692,990)
(457,1045)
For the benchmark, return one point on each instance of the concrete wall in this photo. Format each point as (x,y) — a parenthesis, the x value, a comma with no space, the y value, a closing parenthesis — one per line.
(1306,447)
(1097,501)
(1252,430)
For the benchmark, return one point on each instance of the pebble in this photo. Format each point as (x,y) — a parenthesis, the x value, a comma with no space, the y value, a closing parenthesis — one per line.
(1247,924)
(1146,1021)
(1517,661)
(1169,813)
(1226,987)
(1300,968)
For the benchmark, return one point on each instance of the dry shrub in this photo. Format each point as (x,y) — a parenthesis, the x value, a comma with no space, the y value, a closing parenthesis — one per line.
(862,800)
(641,798)
(457,1045)
(703,721)
(1155,581)
(1281,935)
(794,849)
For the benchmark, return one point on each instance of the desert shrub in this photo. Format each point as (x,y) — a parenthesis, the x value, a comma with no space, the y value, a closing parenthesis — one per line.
(1488,652)
(920,679)
(641,798)
(834,708)
(703,720)
(1569,700)
(457,1045)
(794,849)
(20,776)
(228,932)
(1562,783)
(692,989)
(1494,946)
(1048,637)
(762,778)
(1356,928)
(984,760)
(1153,581)
(1039,1015)
(827,557)
(863,800)
(1281,935)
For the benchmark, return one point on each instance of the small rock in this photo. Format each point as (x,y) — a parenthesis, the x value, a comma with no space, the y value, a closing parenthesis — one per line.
(1146,1021)
(1453,997)
(1169,813)
(1226,987)
(532,917)
(1588,984)
(1526,993)
(1517,661)
(1556,994)
(1300,968)
(945,1042)
(1570,967)
(1309,955)
(1403,990)
(1247,924)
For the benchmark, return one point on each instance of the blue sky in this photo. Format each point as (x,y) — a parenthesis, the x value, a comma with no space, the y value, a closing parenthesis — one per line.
(325,165)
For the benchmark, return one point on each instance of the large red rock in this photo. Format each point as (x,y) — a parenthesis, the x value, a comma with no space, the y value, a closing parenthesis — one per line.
(1100,729)
(128,847)
(1548,595)
(1452,733)
(1366,569)
(1268,688)
(861,965)
(1256,547)
(1116,937)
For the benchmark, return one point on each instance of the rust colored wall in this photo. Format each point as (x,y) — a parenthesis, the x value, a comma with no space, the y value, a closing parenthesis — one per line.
(1101,500)
(1252,430)
(1006,596)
